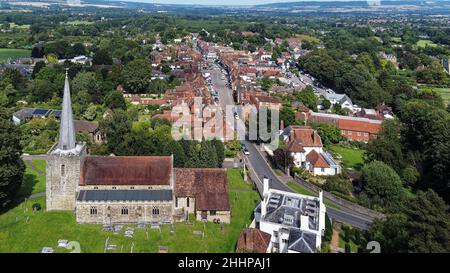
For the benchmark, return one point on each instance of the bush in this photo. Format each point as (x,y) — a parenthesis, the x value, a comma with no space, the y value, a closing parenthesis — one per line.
(338,183)
(357,236)
(347,234)
(36,207)
(328,229)
(348,249)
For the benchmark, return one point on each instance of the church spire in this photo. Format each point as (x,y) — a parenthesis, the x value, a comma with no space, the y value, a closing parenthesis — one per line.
(66,130)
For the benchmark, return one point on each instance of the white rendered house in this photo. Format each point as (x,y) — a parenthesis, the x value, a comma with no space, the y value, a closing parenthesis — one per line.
(295,222)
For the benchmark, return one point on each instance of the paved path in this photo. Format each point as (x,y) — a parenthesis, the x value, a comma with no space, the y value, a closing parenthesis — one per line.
(32,166)
(334,245)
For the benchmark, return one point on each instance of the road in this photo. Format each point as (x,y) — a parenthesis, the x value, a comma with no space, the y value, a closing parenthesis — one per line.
(261,167)
(225,94)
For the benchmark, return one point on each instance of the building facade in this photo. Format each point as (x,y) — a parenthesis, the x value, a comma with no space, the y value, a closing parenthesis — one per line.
(128,189)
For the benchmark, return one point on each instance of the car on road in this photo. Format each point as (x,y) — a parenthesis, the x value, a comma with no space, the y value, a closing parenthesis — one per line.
(245,149)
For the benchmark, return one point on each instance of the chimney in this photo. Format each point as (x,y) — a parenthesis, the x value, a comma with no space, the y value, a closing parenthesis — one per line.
(263,207)
(265,186)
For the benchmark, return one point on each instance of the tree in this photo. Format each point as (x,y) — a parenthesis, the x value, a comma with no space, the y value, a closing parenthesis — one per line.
(329,133)
(116,129)
(12,167)
(423,226)
(287,115)
(207,155)
(326,104)
(114,100)
(37,67)
(101,57)
(382,185)
(137,76)
(387,147)
(90,83)
(220,150)
(307,97)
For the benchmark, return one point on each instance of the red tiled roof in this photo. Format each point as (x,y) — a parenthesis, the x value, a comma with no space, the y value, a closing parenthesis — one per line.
(317,160)
(307,136)
(207,186)
(253,240)
(360,126)
(126,170)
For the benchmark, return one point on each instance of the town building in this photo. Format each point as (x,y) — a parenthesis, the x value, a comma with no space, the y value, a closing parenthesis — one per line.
(352,128)
(128,189)
(295,222)
(306,149)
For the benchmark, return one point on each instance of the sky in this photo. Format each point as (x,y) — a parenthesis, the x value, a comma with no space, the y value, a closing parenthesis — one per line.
(225,2)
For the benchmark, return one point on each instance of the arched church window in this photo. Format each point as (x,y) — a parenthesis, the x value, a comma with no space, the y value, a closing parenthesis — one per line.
(63,170)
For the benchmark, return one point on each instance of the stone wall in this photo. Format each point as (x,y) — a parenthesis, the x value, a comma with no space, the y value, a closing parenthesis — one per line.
(183,203)
(62,179)
(223,216)
(111,212)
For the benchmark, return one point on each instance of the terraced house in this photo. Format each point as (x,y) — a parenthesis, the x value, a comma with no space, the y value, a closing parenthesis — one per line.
(128,189)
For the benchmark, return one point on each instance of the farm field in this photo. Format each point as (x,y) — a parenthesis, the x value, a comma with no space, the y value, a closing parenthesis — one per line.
(13,53)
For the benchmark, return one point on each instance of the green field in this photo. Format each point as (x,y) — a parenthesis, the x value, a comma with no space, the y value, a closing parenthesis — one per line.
(13,53)
(79,22)
(351,157)
(22,230)
(424,43)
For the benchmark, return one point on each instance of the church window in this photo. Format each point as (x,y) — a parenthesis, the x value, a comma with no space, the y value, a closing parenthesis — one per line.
(176,202)
(132,188)
(114,188)
(155,211)
(187,202)
(93,211)
(124,211)
(63,170)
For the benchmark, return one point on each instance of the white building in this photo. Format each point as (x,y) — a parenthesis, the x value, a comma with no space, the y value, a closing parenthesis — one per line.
(343,100)
(295,222)
(305,146)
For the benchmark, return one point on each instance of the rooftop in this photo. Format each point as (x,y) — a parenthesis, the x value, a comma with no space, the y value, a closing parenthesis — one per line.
(126,170)
(289,210)
(124,195)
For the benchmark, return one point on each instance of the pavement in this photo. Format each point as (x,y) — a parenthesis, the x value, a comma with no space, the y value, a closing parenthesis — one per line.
(261,167)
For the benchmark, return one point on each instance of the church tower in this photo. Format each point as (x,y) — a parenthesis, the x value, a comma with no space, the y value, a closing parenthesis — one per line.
(64,161)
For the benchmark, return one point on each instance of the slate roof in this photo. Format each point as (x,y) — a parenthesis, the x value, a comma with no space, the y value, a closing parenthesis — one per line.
(124,195)
(207,186)
(253,240)
(126,170)
(301,241)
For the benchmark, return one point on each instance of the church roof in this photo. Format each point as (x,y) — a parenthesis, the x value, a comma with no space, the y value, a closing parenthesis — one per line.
(66,130)
(207,186)
(124,195)
(126,170)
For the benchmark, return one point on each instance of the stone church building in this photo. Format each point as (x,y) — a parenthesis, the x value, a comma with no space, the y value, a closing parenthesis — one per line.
(128,189)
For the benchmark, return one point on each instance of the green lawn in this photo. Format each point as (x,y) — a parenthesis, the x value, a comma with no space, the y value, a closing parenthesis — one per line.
(445,94)
(13,53)
(300,189)
(79,22)
(424,43)
(33,181)
(17,234)
(351,157)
